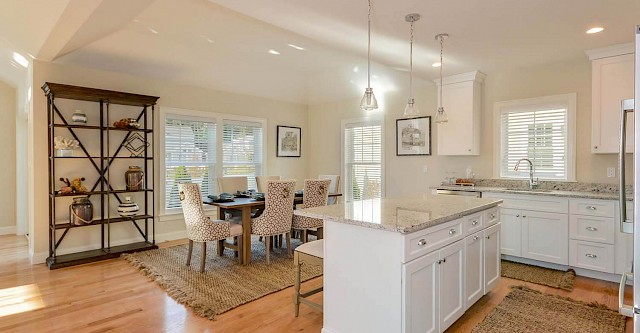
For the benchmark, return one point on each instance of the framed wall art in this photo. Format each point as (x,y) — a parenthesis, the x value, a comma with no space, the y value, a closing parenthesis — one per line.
(413,136)
(289,141)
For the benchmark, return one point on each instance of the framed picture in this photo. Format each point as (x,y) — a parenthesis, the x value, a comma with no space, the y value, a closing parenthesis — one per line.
(413,136)
(289,141)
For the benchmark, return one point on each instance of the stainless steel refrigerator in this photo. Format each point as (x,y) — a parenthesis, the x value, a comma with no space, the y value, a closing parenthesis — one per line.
(627,224)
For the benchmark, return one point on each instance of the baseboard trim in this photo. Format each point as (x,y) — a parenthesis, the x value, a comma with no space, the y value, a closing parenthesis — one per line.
(326,330)
(41,257)
(579,271)
(8,230)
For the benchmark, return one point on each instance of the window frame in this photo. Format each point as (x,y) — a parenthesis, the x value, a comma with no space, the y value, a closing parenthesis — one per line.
(567,100)
(218,119)
(375,120)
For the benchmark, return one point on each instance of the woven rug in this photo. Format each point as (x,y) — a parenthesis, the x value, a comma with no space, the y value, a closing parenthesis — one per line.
(225,284)
(539,275)
(527,310)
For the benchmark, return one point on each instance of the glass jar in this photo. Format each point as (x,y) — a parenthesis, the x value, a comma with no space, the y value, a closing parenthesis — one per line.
(81,211)
(79,117)
(134,178)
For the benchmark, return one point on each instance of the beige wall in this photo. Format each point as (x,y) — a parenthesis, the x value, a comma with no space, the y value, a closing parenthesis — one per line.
(8,110)
(406,175)
(172,95)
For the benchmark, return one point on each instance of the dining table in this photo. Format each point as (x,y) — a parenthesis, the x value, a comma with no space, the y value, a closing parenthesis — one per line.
(245,206)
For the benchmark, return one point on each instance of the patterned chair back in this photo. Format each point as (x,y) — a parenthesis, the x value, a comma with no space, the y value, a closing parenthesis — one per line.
(261,182)
(316,192)
(233,184)
(334,187)
(278,211)
(199,227)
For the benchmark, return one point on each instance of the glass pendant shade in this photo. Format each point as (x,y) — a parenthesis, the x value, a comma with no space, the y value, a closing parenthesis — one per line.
(441,116)
(369,101)
(411,110)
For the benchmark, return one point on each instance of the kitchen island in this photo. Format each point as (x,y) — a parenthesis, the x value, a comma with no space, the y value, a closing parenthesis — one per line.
(410,264)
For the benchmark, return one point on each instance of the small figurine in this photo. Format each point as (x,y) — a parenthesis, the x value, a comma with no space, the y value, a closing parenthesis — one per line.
(65,189)
(77,187)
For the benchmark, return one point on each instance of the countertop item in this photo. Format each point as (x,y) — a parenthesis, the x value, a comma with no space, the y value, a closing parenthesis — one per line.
(548,192)
(401,214)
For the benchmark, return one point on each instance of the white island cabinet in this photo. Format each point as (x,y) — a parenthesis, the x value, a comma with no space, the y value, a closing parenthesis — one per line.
(412,264)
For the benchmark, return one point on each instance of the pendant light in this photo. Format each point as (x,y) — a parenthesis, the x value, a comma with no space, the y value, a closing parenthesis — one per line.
(411,110)
(369,101)
(441,116)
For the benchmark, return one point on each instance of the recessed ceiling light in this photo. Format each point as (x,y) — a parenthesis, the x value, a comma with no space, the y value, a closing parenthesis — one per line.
(356,69)
(436,64)
(274,52)
(296,47)
(595,30)
(152,30)
(20,59)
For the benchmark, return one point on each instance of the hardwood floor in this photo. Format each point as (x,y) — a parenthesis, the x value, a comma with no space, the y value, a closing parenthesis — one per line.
(112,296)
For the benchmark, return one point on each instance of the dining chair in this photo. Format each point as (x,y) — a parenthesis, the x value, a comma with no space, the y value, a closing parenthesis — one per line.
(232,184)
(334,187)
(316,192)
(308,254)
(278,213)
(261,182)
(201,229)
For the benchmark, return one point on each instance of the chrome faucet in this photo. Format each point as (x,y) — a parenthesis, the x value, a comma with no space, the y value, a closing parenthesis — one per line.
(532,183)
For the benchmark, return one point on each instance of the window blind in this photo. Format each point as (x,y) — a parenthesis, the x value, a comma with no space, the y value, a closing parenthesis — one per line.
(190,156)
(539,134)
(363,160)
(242,150)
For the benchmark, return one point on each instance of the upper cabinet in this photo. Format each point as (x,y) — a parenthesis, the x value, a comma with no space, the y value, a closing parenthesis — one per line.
(462,101)
(612,81)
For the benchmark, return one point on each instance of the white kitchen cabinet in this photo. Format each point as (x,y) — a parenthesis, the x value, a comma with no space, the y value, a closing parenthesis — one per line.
(491,249)
(612,81)
(435,289)
(623,247)
(545,236)
(511,232)
(475,268)
(462,101)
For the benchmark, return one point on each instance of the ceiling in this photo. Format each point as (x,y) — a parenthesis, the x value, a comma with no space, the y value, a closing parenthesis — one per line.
(224,44)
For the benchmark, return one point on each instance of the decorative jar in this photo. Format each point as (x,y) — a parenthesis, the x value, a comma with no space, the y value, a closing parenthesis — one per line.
(64,152)
(81,211)
(128,208)
(134,178)
(79,117)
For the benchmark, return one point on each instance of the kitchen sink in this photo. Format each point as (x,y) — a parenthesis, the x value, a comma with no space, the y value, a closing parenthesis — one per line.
(527,190)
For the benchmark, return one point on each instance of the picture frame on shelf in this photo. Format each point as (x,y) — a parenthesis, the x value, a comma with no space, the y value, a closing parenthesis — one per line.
(413,136)
(289,141)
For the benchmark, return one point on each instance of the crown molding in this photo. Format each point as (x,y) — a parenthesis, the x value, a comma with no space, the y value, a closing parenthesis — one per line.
(476,76)
(610,51)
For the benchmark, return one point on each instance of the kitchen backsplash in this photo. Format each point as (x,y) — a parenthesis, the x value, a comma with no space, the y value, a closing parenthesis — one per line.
(551,185)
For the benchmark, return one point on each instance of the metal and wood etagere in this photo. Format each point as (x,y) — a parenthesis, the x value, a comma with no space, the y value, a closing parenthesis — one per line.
(144,223)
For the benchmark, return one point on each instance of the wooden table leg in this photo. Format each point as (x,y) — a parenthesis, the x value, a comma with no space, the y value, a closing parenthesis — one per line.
(246,235)
(219,245)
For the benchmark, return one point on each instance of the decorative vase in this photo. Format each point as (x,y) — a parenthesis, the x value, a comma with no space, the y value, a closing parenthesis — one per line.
(64,152)
(134,178)
(128,208)
(79,117)
(81,211)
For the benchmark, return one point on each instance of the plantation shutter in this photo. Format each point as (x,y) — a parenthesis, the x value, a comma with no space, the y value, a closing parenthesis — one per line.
(538,133)
(363,160)
(190,156)
(242,150)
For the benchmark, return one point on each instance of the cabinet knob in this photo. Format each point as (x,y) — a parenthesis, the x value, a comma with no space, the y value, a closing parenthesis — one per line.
(439,262)
(488,237)
(591,207)
(444,260)
(592,229)
(452,232)
(475,238)
(589,255)
(524,216)
(468,149)
(492,215)
(517,215)
(422,242)
(475,222)
(595,147)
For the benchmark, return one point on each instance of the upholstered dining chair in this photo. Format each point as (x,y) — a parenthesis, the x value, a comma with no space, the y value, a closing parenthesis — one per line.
(232,184)
(278,213)
(261,182)
(201,229)
(316,192)
(334,187)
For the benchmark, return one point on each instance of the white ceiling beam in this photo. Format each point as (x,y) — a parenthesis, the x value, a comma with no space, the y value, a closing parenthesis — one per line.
(86,21)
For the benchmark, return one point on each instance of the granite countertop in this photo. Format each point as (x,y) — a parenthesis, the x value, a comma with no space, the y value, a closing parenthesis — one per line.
(547,192)
(402,214)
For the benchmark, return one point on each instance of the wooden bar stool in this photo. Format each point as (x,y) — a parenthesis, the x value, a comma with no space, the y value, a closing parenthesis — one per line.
(311,253)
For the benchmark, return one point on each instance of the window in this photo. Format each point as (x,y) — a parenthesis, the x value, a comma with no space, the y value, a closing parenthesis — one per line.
(190,156)
(541,130)
(363,159)
(242,150)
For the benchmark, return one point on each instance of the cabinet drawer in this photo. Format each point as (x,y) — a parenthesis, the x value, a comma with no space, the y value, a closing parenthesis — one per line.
(473,223)
(531,201)
(432,239)
(593,229)
(589,255)
(491,217)
(592,207)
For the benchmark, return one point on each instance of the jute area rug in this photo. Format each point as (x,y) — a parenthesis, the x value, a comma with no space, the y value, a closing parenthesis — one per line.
(527,310)
(539,275)
(225,284)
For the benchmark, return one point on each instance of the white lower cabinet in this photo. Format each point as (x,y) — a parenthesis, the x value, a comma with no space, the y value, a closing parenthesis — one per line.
(491,261)
(591,255)
(511,231)
(475,268)
(434,289)
(545,237)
